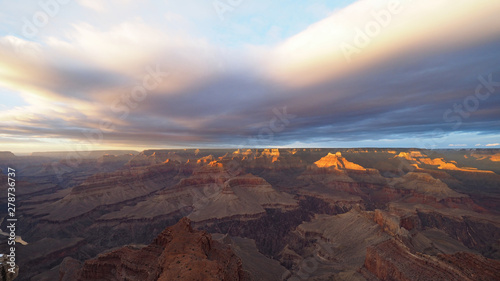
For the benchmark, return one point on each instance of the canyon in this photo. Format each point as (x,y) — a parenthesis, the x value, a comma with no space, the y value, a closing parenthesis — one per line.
(257,214)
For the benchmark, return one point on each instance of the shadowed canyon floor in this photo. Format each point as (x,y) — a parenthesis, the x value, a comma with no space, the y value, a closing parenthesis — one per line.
(257,214)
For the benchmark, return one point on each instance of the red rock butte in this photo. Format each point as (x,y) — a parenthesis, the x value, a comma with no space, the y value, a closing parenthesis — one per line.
(177,253)
(337,161)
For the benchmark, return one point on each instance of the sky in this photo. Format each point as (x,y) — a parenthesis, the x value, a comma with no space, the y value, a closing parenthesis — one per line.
(85,75)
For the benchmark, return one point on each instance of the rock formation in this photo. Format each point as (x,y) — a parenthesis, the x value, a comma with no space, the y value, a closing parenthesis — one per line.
(178,253)
(425,184)
(337,161)
(6,155)
(418,160)
(391,260)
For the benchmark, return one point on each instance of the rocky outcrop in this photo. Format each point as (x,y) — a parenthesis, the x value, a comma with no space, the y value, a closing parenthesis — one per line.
(270,231)
(178,253)
(271,153)
(334,168)
(107,189)
(241,196)
(337,161)
(390,223)
(258,265)
(418,160)
(391,260)
(68,269)
(480,235)
(425,184)
(46,252)
(474,266)
(482,154)
(444,165)
(151,157)
(210,193)
(7,155)
(325,175)
(109,159)
(205,160)
(354,228)
(263,159)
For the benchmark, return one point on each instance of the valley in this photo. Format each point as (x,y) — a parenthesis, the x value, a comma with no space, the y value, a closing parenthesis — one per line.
(259,214)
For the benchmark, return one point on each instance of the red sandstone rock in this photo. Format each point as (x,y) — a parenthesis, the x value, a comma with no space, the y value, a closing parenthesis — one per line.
(178,253)
(391,260)
(337,161)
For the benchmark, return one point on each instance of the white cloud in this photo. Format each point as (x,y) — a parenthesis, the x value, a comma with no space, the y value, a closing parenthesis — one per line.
(94,5)
(493,144)
(458,145)
(316,54)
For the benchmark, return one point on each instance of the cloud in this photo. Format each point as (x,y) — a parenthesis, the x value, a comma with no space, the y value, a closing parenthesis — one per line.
(94,5)
(317,53)
(458,145)
(493,144)
(399,86)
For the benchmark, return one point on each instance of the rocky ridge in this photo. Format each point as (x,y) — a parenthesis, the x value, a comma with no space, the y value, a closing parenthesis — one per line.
(178,253)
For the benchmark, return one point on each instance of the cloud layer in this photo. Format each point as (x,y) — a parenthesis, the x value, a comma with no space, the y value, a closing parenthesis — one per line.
(372,72)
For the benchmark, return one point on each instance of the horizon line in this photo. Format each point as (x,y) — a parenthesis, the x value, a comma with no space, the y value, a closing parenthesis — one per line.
(16,153)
